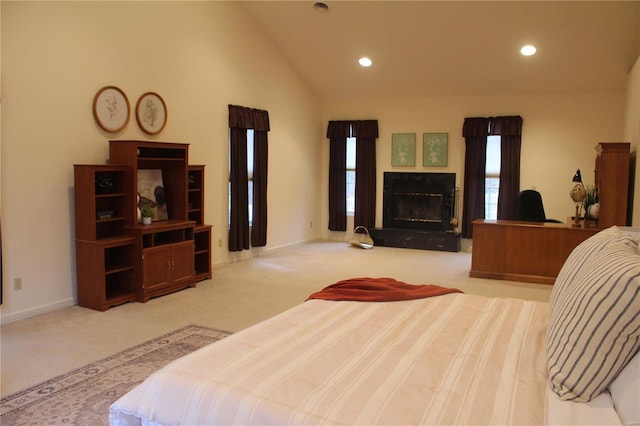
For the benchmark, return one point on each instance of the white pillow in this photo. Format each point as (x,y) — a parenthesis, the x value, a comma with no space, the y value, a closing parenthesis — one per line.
(625,392)
(594,324)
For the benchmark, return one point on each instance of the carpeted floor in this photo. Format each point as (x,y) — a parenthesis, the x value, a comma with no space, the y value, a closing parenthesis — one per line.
(241,294)
(83,396)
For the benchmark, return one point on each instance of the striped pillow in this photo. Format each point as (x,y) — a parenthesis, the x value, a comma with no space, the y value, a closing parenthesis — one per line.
(579,256)
(594,324)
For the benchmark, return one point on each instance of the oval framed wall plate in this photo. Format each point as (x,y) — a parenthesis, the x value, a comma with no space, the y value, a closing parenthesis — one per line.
(151,113)
(111,109)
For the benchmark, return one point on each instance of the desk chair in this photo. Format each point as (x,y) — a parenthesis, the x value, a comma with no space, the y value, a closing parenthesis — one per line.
(530,207)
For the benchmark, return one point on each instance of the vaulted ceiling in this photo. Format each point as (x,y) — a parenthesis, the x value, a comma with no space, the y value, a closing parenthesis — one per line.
(451,48)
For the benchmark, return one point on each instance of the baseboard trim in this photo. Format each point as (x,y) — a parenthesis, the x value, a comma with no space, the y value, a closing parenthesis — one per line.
(233,257)
(38,310)
(65,303)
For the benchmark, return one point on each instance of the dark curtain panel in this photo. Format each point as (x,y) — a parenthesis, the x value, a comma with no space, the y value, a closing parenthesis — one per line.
(338,132)
(238,178)
(338,184)
(0,267)
(365,203)
(260,161)
(365,132)
(475,131)
(510,131)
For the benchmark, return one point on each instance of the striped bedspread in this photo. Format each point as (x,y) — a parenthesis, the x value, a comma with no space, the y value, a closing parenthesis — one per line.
(452,359)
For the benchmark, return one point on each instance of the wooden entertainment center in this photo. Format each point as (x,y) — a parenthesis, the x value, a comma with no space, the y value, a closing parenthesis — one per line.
(535,252)
(118,259)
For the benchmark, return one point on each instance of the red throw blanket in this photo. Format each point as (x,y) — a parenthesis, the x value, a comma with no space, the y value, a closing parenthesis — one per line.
(379,290)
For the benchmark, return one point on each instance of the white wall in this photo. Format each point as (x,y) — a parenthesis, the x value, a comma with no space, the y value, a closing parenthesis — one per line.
(632,131)
(200,57)
(560,132)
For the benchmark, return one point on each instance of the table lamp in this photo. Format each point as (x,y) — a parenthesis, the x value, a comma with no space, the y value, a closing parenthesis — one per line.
(578,193)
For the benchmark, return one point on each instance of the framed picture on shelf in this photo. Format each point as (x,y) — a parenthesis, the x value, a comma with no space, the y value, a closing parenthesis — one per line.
(111,109)
(151,193)
(435,149)
(151,113)
(403,149)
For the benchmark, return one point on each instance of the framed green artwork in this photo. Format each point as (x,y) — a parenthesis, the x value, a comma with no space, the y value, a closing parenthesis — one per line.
(434,149)
(403,149)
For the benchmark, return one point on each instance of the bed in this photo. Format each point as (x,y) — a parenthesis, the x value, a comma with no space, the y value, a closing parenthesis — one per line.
(441,358)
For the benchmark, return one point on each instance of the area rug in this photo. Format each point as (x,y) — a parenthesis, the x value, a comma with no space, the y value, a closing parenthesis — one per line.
(83,396)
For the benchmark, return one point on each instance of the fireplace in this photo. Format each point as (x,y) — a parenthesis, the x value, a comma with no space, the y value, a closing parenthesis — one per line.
(417,209)
(418,200)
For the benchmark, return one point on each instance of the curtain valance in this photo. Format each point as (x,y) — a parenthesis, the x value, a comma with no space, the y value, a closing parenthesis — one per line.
(483,126)
(475,127)
(352,128)
(505,126)
(248,118)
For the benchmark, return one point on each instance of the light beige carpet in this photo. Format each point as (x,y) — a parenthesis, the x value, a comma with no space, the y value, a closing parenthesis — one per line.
(83,396)
(240,294)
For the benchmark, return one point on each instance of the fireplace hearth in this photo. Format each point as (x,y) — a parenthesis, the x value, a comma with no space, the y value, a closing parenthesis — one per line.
(417,211)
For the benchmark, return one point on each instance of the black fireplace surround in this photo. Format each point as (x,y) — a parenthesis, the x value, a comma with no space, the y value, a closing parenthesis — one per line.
(417,211)
(418,200)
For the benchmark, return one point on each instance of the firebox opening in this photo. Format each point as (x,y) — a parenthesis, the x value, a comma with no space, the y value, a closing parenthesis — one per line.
(418,207)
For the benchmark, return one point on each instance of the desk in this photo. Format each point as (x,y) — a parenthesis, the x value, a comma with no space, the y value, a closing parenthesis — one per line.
(523,251)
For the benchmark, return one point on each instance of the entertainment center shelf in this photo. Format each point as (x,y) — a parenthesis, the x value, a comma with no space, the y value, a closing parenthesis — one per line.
(106,272)
(165,232)
(120,260)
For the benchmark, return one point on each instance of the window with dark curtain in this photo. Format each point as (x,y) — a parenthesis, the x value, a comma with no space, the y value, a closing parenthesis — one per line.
(241,237)
(475,131)
(366,133)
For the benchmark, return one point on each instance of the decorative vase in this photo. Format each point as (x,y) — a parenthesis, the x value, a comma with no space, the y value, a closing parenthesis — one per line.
(146,220)
(594,210)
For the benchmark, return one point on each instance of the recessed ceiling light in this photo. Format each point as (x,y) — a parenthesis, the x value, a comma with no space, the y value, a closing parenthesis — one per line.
(321,7)
(365,62)
(528,50)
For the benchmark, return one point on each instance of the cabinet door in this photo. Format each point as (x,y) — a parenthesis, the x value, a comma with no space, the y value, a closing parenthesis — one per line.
(182,262)
(156,267)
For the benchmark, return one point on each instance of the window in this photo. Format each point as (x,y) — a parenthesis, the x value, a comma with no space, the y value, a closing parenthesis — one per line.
(492,178)
(250,172)
(351,176)
(250,176)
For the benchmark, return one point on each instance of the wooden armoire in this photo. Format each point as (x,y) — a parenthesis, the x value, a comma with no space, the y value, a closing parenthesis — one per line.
(613,164)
